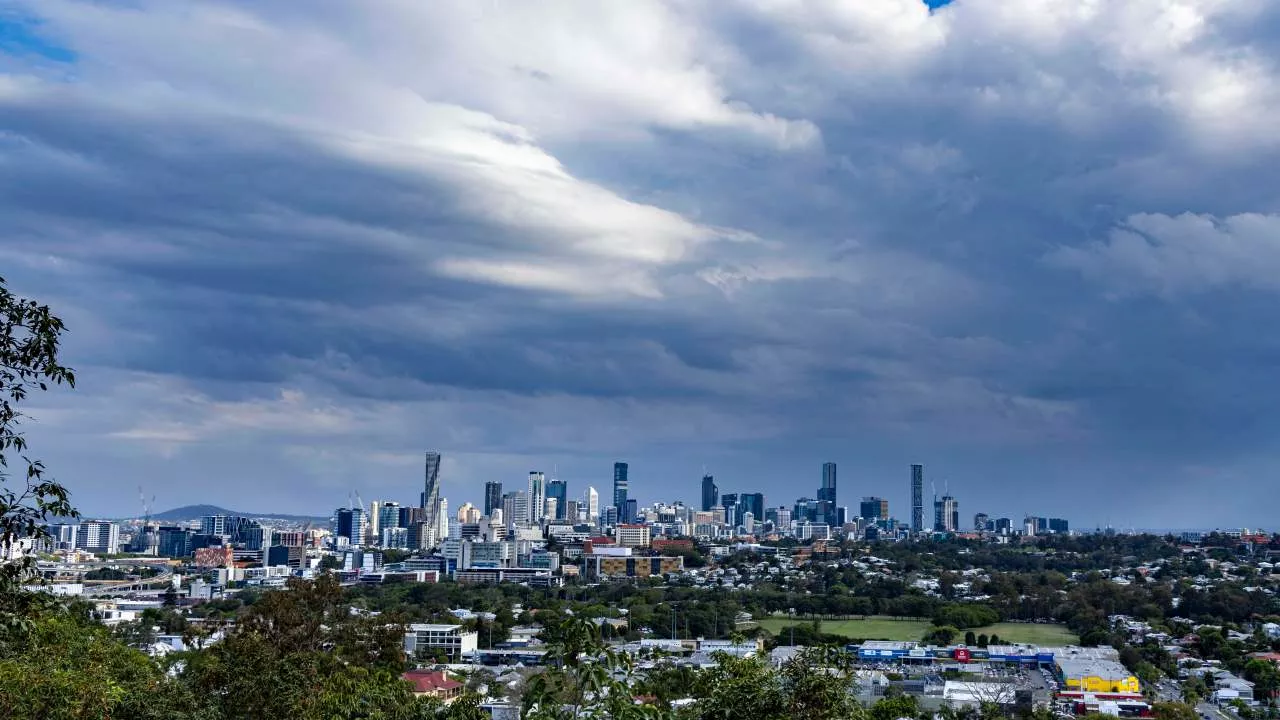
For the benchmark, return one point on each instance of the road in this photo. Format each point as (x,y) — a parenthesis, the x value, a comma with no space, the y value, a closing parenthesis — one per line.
(1213,713)
(1169,691)
(125,587)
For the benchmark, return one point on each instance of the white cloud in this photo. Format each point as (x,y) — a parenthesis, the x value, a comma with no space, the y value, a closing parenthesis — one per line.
(1168,255)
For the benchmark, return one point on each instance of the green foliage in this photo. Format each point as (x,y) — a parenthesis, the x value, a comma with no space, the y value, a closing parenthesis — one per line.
(966,615)
(29,335)
(741,688)
(69,667)
(589,681)
(1264,676)
(943,635)
(893,708)
(820,685)
(1174,711)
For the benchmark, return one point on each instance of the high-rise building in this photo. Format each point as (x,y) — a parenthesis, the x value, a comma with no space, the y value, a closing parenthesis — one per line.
(215,525)
(750,503)
(98,537)
(808,510)
(431,490)
(620,486)
(783,516)
(572,510)
(352,524)
(515,508)
(537,496)
(173,541)
(558,490)
(1058,525)
(710,493)
(729,501)
(593,504)
(917,498)
(827,493)
(980,522)
(874,508)
(388,515)
(946,514)
(492,497)
(633,509)
(468,514)
(409,515)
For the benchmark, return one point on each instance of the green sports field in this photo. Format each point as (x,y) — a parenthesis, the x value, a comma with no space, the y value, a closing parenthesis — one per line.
(883,628)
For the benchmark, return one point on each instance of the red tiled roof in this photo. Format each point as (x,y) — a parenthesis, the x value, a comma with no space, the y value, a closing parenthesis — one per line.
(430,681)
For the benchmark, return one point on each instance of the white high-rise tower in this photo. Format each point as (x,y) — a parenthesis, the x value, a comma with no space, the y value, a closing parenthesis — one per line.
(537,496)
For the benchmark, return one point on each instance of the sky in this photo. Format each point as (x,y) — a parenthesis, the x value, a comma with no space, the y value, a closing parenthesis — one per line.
(1032,245)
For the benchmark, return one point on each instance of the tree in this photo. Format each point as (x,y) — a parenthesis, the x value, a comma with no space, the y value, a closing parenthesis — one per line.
(587,680)
(1174,711)
(29,335)
(983,640)
(1264,676)
(741,688)
(970,639)
(303,652)
(820,684)
(894,708)
(943,635)
(70,667)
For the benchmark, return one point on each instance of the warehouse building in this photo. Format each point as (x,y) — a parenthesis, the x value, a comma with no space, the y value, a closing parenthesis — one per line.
(1092,675)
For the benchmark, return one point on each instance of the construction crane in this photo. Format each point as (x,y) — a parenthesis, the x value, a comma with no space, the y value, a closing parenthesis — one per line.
(147,507)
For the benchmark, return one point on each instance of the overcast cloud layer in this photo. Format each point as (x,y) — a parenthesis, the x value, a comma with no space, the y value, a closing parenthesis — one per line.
(1033,245)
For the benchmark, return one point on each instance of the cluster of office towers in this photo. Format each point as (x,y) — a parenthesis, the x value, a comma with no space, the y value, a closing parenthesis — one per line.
(543,501)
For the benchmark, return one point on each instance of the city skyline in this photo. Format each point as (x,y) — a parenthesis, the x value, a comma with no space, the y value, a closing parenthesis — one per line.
(745,499)
(712,234)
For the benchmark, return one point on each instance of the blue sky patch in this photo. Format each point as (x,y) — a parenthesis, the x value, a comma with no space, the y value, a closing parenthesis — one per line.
(20,36)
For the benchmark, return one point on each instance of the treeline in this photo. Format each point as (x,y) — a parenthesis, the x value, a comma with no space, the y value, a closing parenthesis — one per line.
(300,653)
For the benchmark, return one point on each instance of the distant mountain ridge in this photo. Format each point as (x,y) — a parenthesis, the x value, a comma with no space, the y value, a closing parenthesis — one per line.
(195,512)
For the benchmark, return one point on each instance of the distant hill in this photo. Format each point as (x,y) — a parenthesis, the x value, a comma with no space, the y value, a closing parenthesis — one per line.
(195,512)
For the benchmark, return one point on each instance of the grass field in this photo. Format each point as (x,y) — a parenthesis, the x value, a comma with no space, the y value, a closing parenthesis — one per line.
(883,628)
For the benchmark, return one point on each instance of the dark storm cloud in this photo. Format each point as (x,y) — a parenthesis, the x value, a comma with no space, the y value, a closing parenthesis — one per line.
(1006,241)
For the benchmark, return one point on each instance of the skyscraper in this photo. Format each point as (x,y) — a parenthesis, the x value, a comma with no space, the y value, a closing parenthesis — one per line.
(515,508)
(874,508)
(946,514)
(827,493)
(558,490)
(352,524)
(710,493)
(431,490)
(730,503)
(593,504)
(917,498)
(98,536)
(620,490)
(751,503)
(388,516)
(492,497)
(537,496)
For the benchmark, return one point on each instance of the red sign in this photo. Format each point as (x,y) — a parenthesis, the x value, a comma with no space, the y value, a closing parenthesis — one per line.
(962,655)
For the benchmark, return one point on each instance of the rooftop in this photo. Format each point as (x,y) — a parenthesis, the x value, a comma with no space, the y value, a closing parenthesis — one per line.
(1088,667)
